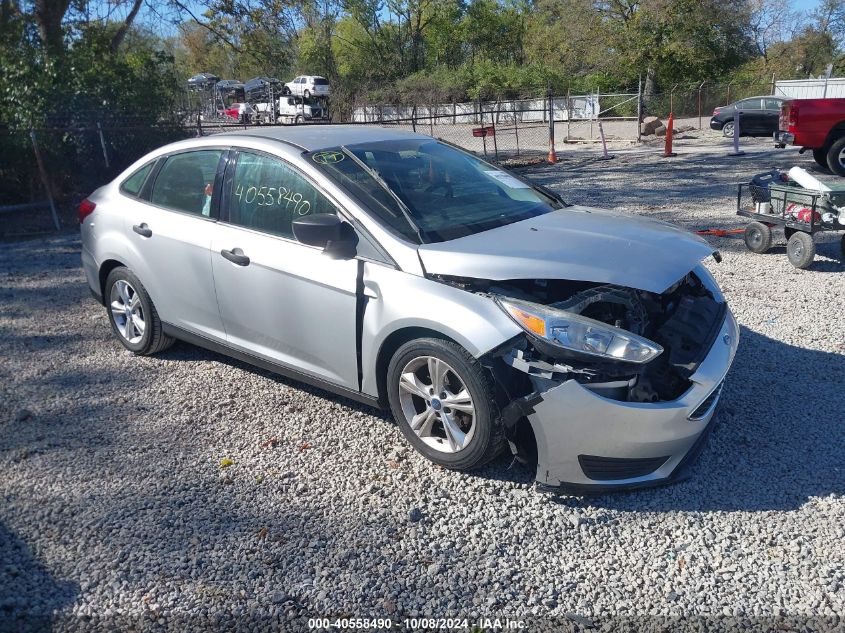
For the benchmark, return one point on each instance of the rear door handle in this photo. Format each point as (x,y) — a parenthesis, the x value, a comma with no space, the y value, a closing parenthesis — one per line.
(143,230)
(236,256)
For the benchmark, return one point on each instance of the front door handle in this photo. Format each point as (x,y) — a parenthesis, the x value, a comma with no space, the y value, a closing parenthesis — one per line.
(143,230)
(236,256)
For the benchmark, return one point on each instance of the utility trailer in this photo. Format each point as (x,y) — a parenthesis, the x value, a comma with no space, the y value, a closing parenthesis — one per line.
(800,212)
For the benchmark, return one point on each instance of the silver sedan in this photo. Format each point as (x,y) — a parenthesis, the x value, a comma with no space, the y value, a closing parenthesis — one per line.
(403,272)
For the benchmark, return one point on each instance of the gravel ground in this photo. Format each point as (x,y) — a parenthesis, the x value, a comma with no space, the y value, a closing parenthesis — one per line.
(190,491)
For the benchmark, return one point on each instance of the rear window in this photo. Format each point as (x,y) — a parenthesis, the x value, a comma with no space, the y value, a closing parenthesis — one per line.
(185,182)
(132,185)
(319,81)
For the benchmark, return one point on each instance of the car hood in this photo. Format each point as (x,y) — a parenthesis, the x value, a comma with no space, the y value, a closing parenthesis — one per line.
(575,243)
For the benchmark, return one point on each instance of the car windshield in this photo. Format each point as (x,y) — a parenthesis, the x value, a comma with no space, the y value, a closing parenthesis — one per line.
(436,192)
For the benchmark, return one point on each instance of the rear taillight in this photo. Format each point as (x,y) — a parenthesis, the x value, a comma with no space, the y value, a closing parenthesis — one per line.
(86,208)
(788,119)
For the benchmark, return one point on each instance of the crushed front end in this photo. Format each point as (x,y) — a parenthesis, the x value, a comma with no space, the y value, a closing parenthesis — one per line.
(595,423)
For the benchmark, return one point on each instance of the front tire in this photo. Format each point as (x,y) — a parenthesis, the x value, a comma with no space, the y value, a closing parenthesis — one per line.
(299,120)
(728,129)
(836,157)
(758,237)
(445,404)
(132,315)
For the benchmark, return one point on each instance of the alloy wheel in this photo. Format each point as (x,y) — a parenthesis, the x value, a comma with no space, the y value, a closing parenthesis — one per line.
(127,311)
(436,404)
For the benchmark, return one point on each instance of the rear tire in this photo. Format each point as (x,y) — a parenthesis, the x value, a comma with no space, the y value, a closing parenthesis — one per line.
(132,315)
(800,249)
(836,157)
(416,397)
(758,237)
(820,156)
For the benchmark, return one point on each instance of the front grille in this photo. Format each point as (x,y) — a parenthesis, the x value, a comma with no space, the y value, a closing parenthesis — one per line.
(704,408)
(611,468)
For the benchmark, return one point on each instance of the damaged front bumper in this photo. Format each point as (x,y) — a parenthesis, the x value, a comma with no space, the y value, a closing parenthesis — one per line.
(588,444)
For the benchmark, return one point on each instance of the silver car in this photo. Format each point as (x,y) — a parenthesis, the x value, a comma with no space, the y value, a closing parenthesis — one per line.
(403,272)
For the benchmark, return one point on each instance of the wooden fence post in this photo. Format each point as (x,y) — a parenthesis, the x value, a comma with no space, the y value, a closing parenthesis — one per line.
(103,144)
(45,180)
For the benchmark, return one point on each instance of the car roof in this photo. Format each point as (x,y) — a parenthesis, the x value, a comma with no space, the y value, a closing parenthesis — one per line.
(762,97)
(314,137)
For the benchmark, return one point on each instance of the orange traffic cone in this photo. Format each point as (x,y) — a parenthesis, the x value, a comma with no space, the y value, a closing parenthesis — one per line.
(667,148)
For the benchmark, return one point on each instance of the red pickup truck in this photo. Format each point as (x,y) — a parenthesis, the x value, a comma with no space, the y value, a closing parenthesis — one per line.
(818,125)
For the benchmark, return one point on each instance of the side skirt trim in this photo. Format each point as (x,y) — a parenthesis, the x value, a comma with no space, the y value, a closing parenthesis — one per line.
(276,368)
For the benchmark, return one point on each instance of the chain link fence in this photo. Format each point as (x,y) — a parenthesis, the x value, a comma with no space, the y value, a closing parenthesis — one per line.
(509,129)
(56,165)
(48,169)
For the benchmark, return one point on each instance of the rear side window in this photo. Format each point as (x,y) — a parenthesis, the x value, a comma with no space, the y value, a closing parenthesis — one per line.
(267,195)
(319,81)
(186,181)
(773,104)
(132,185)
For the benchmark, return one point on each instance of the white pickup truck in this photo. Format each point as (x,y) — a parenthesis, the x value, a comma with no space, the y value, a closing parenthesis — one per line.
(292,110)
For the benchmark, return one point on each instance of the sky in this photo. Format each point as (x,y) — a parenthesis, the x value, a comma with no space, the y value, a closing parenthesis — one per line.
(805,5)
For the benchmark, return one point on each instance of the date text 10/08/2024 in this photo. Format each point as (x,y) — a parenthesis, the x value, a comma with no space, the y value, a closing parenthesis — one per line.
(414,624)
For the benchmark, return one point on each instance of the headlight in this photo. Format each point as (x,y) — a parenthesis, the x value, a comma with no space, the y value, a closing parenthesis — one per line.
(580,334)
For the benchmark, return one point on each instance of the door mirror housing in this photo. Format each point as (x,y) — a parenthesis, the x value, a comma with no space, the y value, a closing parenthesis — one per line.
(326,231)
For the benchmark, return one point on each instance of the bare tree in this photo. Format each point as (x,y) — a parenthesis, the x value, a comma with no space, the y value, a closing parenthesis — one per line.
(773,21)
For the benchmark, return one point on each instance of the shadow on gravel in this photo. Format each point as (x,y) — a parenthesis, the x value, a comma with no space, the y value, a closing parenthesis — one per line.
(827,246)
(29,593)
(183,352)
(778,440)
(41,254)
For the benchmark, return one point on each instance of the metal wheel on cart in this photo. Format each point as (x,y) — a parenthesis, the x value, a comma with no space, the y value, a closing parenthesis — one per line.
(800,249)
(758,237)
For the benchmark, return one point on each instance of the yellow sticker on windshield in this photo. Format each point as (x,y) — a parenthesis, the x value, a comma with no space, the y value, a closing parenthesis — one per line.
(328,158)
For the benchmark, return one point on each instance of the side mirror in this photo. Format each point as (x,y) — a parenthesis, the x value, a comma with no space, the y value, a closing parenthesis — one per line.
(326,231)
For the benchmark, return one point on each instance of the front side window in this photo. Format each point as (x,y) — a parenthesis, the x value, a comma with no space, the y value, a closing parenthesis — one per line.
(749,104)
(186,181)
(268,195)
(132,185)
(443,193)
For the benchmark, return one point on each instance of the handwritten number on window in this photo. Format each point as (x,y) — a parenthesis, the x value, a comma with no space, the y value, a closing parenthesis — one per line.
(267,197)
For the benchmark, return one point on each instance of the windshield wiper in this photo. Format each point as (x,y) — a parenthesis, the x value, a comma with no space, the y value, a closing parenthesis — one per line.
(375,176)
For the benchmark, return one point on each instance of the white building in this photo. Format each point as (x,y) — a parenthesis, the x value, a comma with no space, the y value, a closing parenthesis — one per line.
(833,88)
